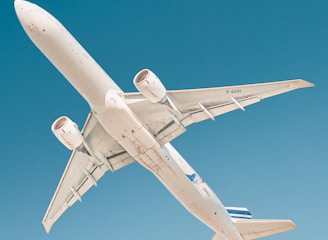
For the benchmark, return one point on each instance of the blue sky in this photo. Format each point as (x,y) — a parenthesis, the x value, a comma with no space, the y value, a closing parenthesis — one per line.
(271,158)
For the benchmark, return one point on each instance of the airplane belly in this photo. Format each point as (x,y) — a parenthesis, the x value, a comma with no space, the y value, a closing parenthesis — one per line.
(165,163)
(121,123)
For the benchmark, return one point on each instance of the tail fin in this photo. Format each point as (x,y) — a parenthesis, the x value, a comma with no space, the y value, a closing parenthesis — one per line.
(239,213)
(253,229)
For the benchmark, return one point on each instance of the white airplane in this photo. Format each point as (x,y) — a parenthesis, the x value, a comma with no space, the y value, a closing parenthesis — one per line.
(126,127)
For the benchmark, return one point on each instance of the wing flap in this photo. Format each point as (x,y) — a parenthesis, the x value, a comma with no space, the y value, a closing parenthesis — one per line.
(201,115)
(253,229)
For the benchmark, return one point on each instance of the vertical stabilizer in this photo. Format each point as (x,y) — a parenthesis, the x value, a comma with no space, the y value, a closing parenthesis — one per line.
(239,213)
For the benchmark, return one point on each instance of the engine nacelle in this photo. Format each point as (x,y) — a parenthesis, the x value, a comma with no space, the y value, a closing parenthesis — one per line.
(150,86)
(67,133)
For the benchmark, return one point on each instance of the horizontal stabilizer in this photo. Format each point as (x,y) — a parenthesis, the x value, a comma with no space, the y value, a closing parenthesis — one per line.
(253,229)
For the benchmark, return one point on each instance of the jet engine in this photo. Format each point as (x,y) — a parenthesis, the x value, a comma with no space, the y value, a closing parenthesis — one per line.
(67,133)
(150,86)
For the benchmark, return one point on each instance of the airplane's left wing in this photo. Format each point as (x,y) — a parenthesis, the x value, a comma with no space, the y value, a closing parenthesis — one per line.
(184,107)
(84,169)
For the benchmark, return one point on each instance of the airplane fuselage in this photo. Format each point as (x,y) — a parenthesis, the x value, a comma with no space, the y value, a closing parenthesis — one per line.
(127,127)
(105,99)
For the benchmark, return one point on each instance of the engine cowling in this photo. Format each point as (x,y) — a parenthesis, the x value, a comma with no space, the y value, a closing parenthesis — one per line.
(150,86)
(67,133)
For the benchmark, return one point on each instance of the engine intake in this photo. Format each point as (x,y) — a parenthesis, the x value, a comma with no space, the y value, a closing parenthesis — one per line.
(67,133)
(150,86)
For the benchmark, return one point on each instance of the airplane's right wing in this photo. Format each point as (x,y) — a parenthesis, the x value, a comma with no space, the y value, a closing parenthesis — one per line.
(185,107)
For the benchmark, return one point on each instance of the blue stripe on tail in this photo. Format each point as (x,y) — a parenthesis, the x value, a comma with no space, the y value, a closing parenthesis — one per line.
(238,212)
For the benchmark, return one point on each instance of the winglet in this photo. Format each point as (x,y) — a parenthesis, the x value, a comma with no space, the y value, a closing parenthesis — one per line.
(304,84)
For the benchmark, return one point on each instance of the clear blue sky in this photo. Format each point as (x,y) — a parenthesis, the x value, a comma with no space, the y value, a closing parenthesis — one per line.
(272,158)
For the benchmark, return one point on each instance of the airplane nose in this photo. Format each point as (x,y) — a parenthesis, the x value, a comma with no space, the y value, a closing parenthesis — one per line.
(23,10)
(20,5)
(17,3)
(33,19)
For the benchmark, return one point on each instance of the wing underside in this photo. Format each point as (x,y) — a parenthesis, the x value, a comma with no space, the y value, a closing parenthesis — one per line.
(84,170)
(192,106)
